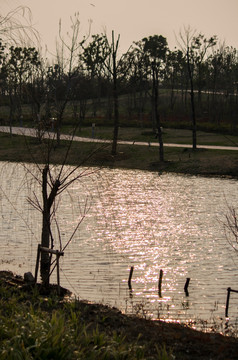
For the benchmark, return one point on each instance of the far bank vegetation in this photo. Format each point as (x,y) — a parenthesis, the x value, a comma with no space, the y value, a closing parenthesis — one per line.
(153,83)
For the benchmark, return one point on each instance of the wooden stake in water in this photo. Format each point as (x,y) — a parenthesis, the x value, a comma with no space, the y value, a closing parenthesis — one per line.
(130,276)
(227,300)
(37,262)
(160,282)
(186,287)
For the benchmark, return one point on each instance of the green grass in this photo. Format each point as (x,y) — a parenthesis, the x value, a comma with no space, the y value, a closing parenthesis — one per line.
(170,135)
(178,160)
(39,327)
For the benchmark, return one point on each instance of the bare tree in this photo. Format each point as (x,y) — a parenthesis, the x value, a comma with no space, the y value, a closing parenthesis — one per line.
(194,47)
(53,181)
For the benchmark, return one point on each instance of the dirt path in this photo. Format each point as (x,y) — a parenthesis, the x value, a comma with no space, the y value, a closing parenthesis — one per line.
(32,132)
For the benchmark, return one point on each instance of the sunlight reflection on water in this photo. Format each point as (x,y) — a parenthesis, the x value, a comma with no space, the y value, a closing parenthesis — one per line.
(139,219)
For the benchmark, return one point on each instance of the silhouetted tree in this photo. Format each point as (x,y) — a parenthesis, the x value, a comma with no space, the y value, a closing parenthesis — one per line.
(175,65)
(94,57)
(195,49)
(154,50)
(101,57)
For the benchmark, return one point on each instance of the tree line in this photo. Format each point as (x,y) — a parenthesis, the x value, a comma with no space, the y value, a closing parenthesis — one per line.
(149,85)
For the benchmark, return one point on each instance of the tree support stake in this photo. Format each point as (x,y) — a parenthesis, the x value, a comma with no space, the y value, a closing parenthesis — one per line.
(229,290)
(57,253)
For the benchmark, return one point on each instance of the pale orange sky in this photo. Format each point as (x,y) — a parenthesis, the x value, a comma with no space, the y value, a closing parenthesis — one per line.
(134,19)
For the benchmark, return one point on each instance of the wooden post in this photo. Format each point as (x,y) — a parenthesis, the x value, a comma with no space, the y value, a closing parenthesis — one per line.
(227,301)
(186,287)
(160,282)
(37,262)
(58,274)
(130,276)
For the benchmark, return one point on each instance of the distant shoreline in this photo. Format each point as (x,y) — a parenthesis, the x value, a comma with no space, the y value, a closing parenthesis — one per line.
(179,160)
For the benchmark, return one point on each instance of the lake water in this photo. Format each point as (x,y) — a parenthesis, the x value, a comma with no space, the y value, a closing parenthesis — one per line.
(133,218)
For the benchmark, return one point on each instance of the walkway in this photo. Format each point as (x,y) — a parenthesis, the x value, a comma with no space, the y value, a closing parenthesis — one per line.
(33,132)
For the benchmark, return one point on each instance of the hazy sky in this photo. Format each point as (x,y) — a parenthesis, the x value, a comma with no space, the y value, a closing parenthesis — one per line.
(134,19)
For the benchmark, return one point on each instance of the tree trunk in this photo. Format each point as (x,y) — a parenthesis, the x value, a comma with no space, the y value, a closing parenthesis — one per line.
(45,235)
(116,120)
(194,123)
(115,98)
(157,117)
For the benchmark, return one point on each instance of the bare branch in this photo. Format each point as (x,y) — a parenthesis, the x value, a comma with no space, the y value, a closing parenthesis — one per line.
(35,203)
(86,210)
(16,27)
(231,228)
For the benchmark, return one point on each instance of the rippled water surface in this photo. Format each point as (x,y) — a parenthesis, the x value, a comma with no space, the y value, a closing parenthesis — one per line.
(134,218)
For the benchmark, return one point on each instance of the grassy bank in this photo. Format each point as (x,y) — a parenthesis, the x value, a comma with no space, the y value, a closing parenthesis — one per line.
(170,135)
(39,326)
(178,160)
